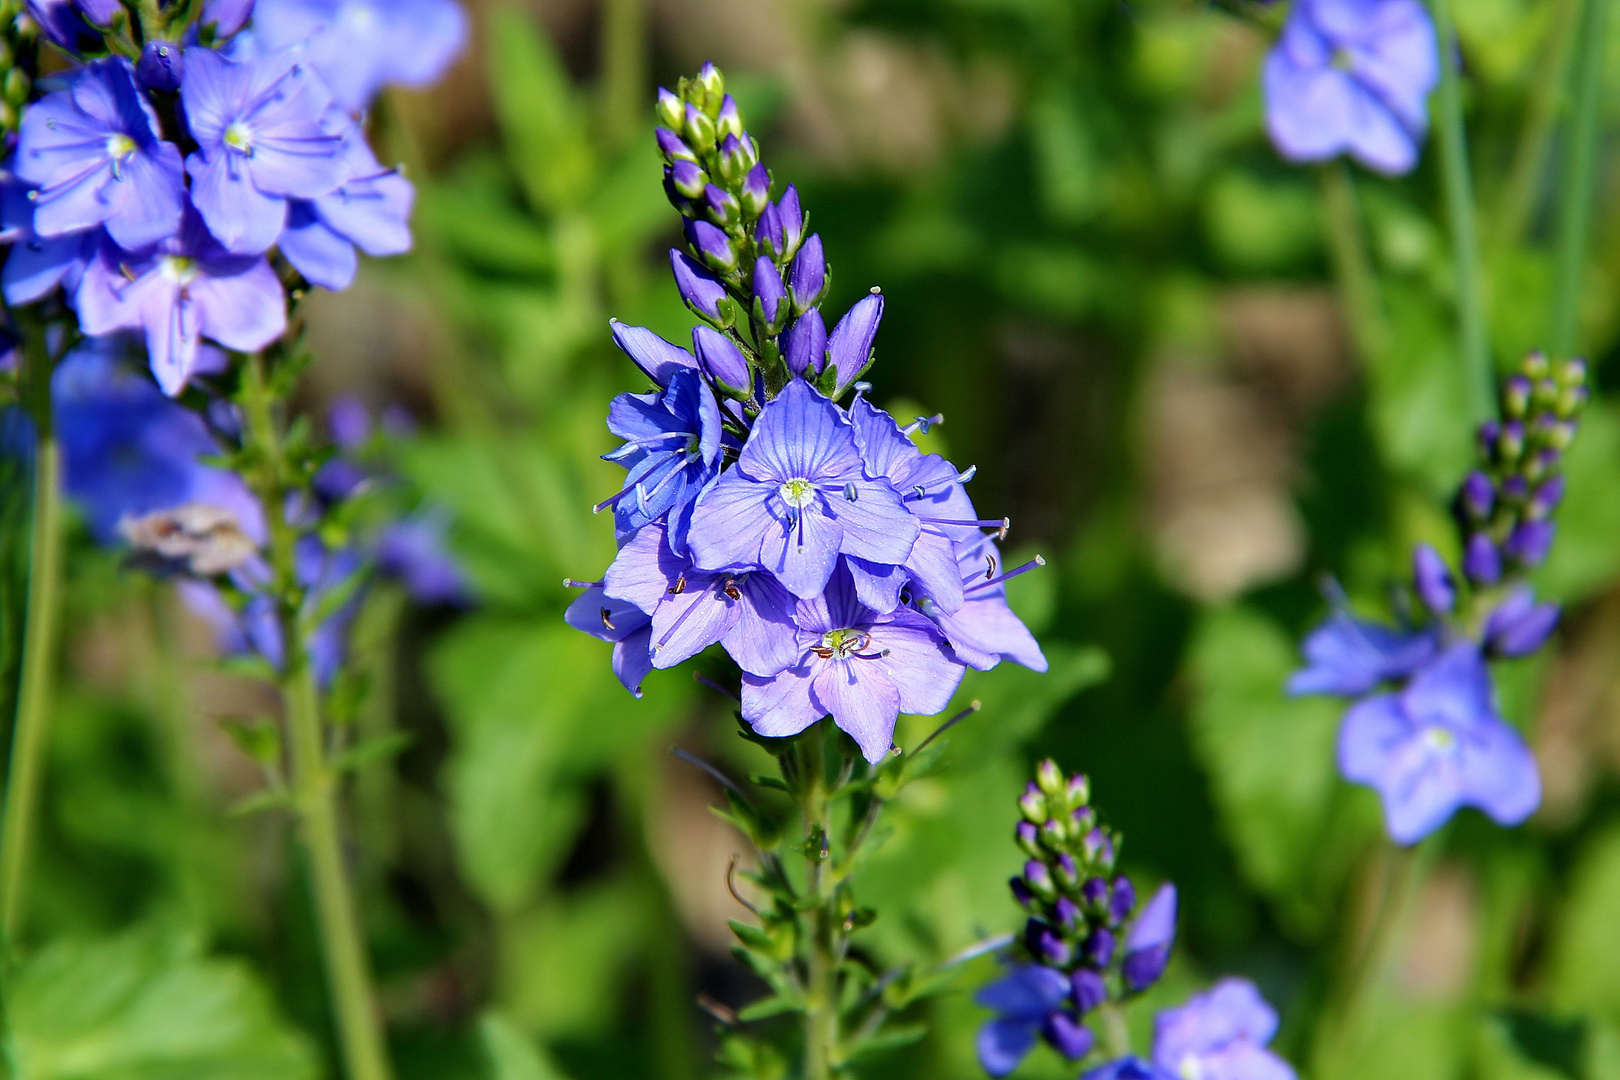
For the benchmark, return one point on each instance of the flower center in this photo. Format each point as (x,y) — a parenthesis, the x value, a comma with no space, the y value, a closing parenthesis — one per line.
(1191,1068)
(120,146)
(1439,739)
(1344,59)
(797,492)
(180,269)
(239,138)
(841,644)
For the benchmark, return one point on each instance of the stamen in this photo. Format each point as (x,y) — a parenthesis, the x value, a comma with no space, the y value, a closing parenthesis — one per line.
(607,621)
(1000,526)
(1033,564)
(679,586)
(570,583)
(850,493)
(922,424)
(712,685)
(972,708)
(963,477)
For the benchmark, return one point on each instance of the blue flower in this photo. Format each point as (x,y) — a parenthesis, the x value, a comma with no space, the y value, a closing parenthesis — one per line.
(179,292)
(413,551)
(691,609)
(93,152)
(621,622)
(263,137)
(672,450)
(1032,1000)
(985,631)
(1349,656)
(370,209)
(129,451)
(1220,1035)
(1352,76)
(798,497)
(1147,947)
(1134,1068)
(1518,626)
(1437,745)
(35,264)
(658,359)
(359,46)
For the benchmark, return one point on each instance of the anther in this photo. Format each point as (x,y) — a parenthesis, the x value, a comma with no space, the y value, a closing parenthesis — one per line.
(607,621)
(570,583)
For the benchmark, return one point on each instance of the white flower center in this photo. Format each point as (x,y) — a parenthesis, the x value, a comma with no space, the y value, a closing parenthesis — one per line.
(1190,1068)
(239,138)
(797,492)
(841,644)
(179,269)
(1439,739)
(120,146)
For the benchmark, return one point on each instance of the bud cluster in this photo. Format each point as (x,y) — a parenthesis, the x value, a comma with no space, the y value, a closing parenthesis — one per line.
(1505,506)
(18,46)
(754,274)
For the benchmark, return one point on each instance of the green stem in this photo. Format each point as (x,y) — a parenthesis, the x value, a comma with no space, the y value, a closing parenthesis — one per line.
(1352,269)
(624,70)
(1528,171)
(34,699)
(1580,167)
(1472,334)
(1348,1017)
(1116,1034)
(314,783)
(821,1010)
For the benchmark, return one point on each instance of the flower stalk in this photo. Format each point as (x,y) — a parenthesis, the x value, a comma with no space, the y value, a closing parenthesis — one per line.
(821,998)
(35,698)
(314,783)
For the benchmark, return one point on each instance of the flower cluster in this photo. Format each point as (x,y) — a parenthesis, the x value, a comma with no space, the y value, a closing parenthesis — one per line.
(1352,76)
(845,571)
(1072,959)
(1433,742)
(182,175)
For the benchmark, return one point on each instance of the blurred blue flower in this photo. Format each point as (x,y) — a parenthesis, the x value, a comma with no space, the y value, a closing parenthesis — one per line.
(94,155)
(35,265)
(799,496)
(1352,76)
(1437,745)
(1147,947)
(359,46)
(370,209)
(1347,656)
(1220,1035)
(1031,1000)
(1134,1068)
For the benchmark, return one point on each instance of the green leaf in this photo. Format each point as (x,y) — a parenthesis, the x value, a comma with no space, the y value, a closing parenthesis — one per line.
(765,1008)
(1581,978)
(892,1039)
(364,753)
(260,801)
(146,1006)
(1269,758)
(512,1054)
(541,120)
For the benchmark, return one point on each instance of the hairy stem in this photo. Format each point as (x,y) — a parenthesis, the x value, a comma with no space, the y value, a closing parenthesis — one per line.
(821,1010)
(35,693)
(1473,341)
(1352,269)
(1579,178)
(314,783)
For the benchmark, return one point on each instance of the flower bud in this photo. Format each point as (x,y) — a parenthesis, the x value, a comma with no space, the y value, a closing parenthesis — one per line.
(1045,945)
(1067,913)
(730,154)
(101,13)
(1039,880)
(1571,372)
(1477,497)
(1546,498)
(756,197)
(1033,804)
(698,129)
(808,277)
(1515,396)
(1529,542)
(1482,562)
(729,122)
(713,85)
(1099,847)
(1028,839)
(1067,1035)
(793,222)
(1088,990)
(688,179)
(804,347)
(1068,874)
(1535,365)
(670,110)
(1098,948)
(1052,834)
(701,291)
(712,246)
(1487,435)
(768,233)
(1124,899)
(1561,434)
(770,296)
(1545,395)
(721,206)
(1095,893)
(1021,892)
(1078,790)
(1050,778)
(1571,400)
(721,360)
(160,67)
(1082,821)
(849,349)
(673,147)
(1432,578)
(1510,443)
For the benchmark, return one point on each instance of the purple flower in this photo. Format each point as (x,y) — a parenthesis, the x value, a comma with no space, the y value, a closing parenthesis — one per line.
(1221,1034)
(34,264)
(721,360)
(1518,626)
(160,66)
(804,346)
(691,609)
(359,46)
(1432,577)
(1529,542)
(413,550)
(701,290)
(849,346)
(1031,1000)
(1147,948)
(622,623)
(808,278)
(226,16)
(370,209)
(1134,1068)
(184,289)
(63,25)
(263,138)
(798,497)
(1352,76)
(657,358)
(672,451)
(1349,656)
(862,667)
(94,153)
(1438,745)
(1482,560)
(984,631)
(129,451)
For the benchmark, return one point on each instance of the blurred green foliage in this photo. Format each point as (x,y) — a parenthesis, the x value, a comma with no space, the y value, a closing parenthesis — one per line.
(1083,221)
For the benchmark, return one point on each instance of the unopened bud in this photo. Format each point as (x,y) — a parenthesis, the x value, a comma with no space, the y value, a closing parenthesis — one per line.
(1078,791)
(698,129)
(721,206)
(756,196)
(1053,835)
(1510,444)
(1095,893)
(1489,432)
(713,85)
(688,179)
(1482,560)
(1033,805)
(1571,372)
(1477,498)
(1546,498)
(673,147)
(1571,400)
(729,121)
(1050,778)
(1098,948)
(1067,913)
(1535,365)
(670,110)
(1021,892)
(1039,879)
(1068,874)
(1124,899)
(1028,838)
(1516,396)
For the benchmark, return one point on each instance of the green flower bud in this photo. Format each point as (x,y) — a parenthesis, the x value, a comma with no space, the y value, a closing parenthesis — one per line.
(1051,778)
(1536,365)
(1032,803)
